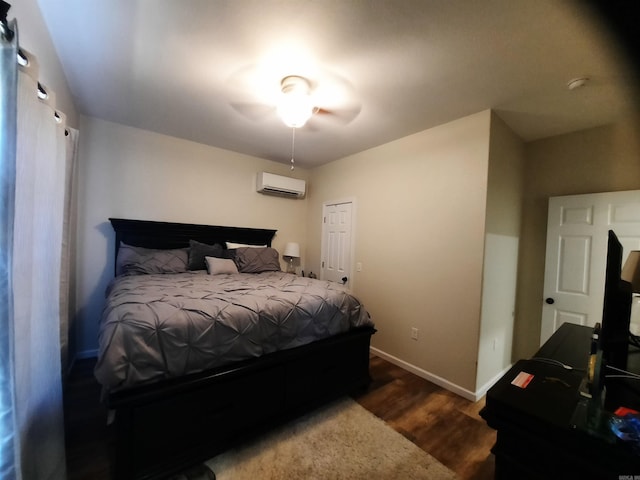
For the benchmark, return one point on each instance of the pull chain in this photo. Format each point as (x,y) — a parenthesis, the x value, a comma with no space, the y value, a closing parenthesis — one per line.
(293,145)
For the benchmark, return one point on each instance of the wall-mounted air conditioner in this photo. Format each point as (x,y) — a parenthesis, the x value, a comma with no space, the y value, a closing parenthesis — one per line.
(273,184)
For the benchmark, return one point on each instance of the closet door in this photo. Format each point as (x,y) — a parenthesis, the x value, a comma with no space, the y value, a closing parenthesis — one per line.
(577,252)
(337,242)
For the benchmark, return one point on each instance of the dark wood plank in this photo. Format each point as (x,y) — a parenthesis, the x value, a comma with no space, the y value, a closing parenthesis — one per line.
(441,423)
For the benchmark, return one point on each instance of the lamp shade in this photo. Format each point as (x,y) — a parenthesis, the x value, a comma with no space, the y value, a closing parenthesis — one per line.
(631,270)
(291,249)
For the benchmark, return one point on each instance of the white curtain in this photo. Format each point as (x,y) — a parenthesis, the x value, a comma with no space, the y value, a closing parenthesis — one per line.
(8,106)
(40,171)
(67,264)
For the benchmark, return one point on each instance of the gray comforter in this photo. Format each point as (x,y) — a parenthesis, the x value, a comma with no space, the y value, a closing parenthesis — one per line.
(162,326)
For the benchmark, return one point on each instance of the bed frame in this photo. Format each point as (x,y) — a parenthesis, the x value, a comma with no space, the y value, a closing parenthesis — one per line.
(165,427)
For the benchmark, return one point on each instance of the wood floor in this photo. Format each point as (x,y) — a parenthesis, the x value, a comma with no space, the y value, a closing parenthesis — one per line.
(438,421)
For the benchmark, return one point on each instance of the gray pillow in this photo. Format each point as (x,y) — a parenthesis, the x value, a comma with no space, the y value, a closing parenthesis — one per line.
(256,260)
(218,266)
(140,261)
(197,252)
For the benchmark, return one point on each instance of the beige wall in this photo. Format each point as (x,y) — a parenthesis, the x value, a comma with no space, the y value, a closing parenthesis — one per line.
(423,203)
(502,239)
(131,173)
(419,235)
(597,160)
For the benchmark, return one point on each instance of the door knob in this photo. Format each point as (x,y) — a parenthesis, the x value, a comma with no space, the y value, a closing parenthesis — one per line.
(344,280)
(550,301)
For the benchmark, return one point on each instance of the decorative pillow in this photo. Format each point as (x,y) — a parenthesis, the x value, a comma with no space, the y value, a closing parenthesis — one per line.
(140,261)
(217,266)
(230,253)
(197,252)
(256,260)
(243,245)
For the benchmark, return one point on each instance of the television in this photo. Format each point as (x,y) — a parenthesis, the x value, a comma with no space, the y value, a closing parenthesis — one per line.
(616,312)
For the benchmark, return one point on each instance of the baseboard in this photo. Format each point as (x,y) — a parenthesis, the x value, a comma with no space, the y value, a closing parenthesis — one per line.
(482,391)
(441,382)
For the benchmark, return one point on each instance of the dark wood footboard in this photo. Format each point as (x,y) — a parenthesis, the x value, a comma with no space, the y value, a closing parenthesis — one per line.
(166,427)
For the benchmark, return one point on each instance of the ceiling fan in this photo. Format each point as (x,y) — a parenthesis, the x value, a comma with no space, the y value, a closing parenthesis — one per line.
(297,101)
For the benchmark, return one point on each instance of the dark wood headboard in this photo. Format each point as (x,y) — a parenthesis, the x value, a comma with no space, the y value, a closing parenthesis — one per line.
(167,235)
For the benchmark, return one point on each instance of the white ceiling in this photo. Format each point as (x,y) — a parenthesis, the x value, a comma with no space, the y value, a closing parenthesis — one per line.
(203,69)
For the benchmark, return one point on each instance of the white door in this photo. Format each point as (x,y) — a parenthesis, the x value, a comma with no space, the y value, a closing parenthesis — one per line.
(577,252)
(336,242)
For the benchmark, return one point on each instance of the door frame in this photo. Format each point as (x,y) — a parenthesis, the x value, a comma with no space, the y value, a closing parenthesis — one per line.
(352,248)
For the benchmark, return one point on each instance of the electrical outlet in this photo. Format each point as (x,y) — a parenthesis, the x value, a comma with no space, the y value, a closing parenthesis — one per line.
(414,333)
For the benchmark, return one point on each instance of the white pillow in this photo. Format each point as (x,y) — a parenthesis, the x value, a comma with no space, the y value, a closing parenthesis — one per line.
(240,245)
(217,266)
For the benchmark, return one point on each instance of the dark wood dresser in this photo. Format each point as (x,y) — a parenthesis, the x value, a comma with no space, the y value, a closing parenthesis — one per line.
(547,428)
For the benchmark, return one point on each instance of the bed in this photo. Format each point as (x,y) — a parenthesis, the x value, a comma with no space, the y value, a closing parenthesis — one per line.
(195,357)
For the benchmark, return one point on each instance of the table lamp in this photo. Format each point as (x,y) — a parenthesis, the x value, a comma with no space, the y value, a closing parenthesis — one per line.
(291,251)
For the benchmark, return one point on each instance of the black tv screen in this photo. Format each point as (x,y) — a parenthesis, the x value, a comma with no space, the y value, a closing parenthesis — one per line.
(616,314)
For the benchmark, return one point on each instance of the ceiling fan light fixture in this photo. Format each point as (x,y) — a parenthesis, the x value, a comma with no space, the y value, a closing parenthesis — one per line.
(295,112)
(295,106)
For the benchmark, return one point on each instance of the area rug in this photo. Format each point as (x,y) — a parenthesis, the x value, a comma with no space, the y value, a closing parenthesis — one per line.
(339,441)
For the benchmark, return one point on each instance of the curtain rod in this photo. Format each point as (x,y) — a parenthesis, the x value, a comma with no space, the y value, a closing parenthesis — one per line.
(4,25)
(7,32)
(4,9)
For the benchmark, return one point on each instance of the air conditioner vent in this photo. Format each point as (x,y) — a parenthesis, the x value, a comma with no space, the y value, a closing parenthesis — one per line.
(272,184)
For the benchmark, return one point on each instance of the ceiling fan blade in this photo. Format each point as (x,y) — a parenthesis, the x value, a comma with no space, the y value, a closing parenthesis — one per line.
(253,111)
(342,116)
